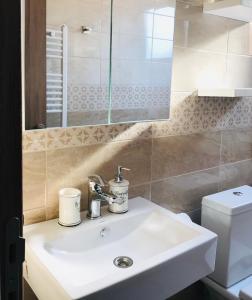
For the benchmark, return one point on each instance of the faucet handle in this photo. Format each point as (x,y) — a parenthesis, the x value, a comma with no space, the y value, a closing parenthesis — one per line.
(97,179)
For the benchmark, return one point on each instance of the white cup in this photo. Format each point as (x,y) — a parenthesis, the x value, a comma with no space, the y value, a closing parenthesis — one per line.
(69,207)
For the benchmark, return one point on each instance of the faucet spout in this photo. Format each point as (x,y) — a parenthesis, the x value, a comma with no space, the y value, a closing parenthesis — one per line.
(111,198)
(96,195)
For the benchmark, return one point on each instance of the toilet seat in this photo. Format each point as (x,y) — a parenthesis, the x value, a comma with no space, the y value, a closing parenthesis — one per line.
(246,293)
(239,291)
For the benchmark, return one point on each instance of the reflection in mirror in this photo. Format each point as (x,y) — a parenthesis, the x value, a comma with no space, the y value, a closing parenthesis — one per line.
(76,57)
(106,62)
(142,47)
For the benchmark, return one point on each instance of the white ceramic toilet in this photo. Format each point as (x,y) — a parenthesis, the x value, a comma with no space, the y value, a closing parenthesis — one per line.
(229,215)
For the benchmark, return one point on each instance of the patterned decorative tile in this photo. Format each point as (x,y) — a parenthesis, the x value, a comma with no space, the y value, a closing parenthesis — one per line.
(57,138)
(189,114)
(130,131)
(74,136)
(115,132)
(34,140)
(95,97)
(95,135)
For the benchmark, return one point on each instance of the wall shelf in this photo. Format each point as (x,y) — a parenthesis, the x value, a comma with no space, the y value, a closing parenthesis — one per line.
(225,92)
(234,9)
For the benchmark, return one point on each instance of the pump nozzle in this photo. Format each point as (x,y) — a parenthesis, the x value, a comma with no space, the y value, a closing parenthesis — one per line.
(119,175)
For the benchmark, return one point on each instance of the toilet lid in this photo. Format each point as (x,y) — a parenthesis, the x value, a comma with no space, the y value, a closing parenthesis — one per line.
(246,293)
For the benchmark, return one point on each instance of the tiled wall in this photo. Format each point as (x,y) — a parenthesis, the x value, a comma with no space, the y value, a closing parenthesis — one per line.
(172,170)
(205,147)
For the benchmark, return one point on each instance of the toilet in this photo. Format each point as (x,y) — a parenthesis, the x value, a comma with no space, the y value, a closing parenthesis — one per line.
(229,215)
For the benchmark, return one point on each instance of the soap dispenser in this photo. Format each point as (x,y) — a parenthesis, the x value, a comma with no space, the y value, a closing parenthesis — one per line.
(120,188)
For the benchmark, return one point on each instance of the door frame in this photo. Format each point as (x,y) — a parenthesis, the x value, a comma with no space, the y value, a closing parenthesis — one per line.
(11,243)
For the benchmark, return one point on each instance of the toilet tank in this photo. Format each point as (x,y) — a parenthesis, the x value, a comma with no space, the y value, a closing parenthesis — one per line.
(229,215)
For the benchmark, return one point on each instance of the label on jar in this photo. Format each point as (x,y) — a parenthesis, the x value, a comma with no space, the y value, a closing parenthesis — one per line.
(122,193)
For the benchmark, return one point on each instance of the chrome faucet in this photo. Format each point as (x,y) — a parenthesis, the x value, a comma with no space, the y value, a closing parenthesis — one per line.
(96,195)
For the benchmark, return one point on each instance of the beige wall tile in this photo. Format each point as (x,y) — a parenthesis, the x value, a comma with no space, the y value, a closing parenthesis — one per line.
(70,167)
(64,169)
(34,180)
(140,191)
(34,216)
(236,145)
(184,193)
(52,212)
(235,175)
(177,155)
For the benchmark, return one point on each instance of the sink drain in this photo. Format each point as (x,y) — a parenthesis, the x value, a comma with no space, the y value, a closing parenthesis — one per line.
(123,262)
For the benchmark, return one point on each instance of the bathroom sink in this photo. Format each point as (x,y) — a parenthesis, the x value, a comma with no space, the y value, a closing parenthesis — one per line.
(147,253)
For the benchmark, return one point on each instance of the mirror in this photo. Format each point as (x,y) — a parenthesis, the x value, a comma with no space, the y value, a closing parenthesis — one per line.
(90,62)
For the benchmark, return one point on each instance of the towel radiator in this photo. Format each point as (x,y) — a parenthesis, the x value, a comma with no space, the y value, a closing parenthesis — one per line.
(56,77)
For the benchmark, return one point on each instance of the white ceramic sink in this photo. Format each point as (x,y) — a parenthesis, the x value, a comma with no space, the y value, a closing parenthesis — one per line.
(168,252)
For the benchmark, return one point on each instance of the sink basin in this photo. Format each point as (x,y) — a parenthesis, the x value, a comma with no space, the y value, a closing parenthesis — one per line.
(160,254)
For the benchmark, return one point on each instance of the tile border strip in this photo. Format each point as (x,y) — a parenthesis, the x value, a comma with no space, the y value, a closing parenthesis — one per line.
(189,114)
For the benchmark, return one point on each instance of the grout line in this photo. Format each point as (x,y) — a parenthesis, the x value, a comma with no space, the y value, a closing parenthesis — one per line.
(225,75)
(221,146)
(195,172)
(151,162)
(34,209)
(219,171)
(110,61)
(236,162)
(46,173)
(175,176)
